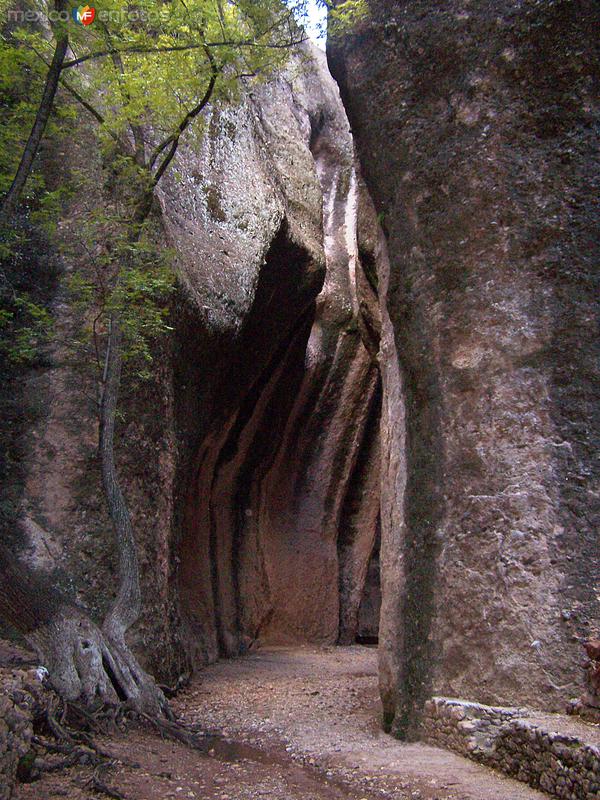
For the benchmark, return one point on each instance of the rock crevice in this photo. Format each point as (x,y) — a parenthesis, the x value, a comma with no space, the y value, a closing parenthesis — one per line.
(270,550)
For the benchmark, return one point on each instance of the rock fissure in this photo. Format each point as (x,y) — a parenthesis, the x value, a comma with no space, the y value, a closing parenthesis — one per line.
(294,409)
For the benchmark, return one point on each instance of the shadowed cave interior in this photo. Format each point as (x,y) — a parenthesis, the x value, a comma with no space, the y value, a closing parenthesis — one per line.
(280,521)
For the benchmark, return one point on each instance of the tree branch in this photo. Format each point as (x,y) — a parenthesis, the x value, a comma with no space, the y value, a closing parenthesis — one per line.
(176,48)
(173,139)
(88,107)
(11,200)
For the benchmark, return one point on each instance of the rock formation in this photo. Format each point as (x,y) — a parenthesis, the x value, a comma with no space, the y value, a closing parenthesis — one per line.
(250,459)
(282,409)
(474,127)
(588,705)
(592,697)
(385,365)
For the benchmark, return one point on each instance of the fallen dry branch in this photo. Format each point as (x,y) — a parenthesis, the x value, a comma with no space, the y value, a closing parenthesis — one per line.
(176,730)
(97,784)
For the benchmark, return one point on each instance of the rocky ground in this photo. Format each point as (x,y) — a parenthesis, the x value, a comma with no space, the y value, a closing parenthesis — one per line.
(289,724)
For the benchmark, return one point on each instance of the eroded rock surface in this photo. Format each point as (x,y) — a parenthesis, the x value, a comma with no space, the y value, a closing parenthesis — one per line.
(474,125)
(249,461)
(279,397)
(20,691)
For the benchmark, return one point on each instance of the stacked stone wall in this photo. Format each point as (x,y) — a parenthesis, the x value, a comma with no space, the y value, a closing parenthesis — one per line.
(17,700)
(515,742)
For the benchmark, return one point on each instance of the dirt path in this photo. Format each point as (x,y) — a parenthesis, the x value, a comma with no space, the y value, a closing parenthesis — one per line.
(297,724)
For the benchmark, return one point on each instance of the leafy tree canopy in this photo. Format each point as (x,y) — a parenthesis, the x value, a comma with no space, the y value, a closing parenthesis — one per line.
(151,63)
(144,72)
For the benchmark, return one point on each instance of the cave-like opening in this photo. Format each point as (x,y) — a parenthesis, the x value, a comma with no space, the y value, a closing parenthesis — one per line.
(281,537)
(279,517)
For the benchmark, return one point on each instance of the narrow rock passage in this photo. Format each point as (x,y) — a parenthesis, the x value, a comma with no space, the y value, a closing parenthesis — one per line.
(289,724)
(321,708)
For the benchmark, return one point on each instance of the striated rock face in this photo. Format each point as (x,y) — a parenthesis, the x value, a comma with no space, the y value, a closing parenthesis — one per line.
(474,125)
(250,462)
(277,393)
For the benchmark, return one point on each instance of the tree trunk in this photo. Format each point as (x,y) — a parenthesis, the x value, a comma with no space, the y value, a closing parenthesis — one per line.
(135,685)
(11,199)
(126,607)
(85,664)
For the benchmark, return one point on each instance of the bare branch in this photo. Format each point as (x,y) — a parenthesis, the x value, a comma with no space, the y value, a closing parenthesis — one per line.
(88,107)
(176,48)
(173,140)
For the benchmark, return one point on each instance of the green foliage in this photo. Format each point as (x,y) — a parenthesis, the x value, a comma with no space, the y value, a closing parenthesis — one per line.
(129,280)
(347,15)
(150,64)
(49,208)
(82,291)
(25,327)
(140,299)
(22,75)
(143,73)
(10,239)
(343,17)
(20,85)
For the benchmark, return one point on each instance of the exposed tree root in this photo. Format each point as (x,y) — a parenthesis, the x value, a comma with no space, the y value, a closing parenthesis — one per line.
(63,737)
(65,734)
(94,667)
(97,784)
(173,691)
(176,730)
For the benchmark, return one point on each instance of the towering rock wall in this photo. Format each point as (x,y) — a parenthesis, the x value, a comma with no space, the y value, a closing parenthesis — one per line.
(279,404)
(476,131)
(244,459)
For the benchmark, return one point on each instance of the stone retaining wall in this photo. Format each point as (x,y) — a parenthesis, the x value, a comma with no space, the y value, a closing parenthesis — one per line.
(17,690)
(513,741)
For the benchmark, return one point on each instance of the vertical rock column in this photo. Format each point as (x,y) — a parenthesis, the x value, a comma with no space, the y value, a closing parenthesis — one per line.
(474,125)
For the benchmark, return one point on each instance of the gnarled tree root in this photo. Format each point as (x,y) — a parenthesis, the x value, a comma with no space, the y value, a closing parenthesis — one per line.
(94,669)
(65,731)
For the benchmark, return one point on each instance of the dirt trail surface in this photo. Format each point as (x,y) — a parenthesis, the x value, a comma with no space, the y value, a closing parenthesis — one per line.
(291,724)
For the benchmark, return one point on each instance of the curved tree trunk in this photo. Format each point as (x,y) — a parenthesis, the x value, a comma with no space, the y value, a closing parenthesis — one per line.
(85,664)
(126,607)
(10,201)
(133,684)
